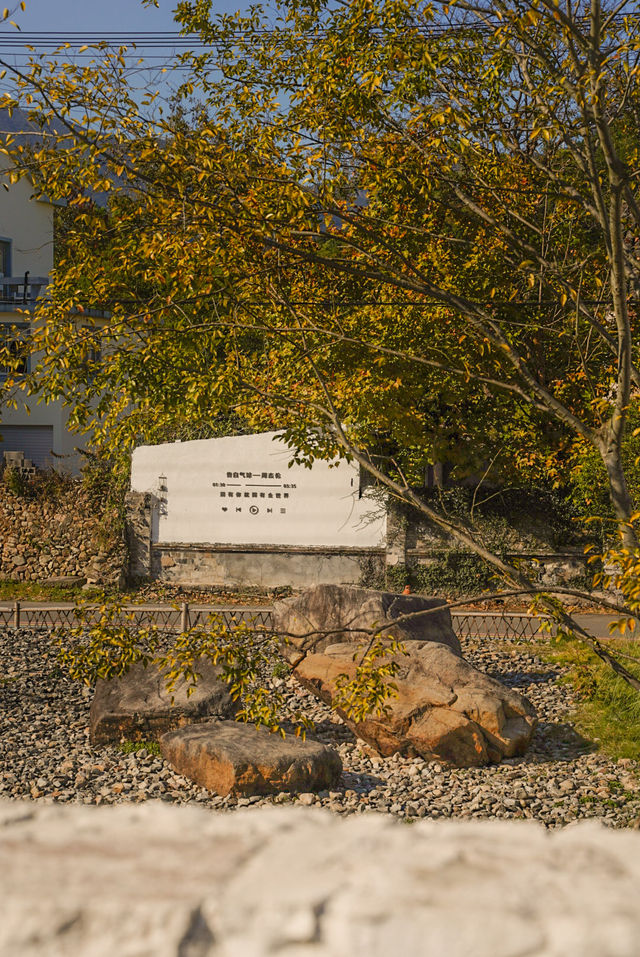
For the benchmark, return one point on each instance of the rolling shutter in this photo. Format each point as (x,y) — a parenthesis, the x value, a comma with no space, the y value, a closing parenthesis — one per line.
(36,441)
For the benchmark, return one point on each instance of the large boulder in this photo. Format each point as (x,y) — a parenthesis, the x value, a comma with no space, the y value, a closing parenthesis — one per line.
(226,756)
(445,708)
(327,614)
(138,707)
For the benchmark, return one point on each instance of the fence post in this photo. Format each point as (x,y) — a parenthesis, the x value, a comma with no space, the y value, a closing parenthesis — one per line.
(16,614)
(184,616)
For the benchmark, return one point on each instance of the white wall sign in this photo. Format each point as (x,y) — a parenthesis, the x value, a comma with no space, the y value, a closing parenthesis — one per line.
(240,490)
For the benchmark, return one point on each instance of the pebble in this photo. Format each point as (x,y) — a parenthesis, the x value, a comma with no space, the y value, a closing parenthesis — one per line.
(45,754)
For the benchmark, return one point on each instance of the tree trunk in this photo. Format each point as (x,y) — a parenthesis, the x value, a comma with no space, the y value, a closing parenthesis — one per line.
(619,494)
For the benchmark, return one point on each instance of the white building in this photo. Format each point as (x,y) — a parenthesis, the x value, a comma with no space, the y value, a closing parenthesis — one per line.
(26,259)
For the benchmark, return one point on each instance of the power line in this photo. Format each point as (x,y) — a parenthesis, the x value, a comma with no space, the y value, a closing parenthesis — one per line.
(158,45)
(172,39)
(177,37)
(70,40)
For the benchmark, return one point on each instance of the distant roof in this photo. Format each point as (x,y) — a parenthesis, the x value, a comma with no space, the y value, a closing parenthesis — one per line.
(24,132)
(18,124)
(15,122)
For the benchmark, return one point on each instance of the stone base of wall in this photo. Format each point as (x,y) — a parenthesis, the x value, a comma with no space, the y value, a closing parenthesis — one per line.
(268,566)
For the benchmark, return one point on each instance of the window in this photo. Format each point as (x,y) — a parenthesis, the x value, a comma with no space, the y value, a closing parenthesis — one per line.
(92,353)
(5,257)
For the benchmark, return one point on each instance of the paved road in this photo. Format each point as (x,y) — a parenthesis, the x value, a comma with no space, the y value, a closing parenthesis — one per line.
(598,625)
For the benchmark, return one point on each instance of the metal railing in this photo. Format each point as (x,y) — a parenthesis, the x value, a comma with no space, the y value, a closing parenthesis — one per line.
(170,619)
(512,626)
(21,291)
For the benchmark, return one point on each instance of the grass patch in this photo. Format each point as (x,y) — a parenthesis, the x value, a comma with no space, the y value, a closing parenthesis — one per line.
(34,591)
(608,710)
(132,747)
(39,591)
(281,669)
(154,592)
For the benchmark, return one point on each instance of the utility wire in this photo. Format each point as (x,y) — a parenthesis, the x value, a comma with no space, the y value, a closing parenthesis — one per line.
(172,39)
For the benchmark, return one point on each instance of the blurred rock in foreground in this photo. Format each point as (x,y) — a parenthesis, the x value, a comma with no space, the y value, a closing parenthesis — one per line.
(156,881)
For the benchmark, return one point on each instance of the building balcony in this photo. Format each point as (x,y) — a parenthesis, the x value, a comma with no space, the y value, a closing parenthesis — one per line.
(21,292)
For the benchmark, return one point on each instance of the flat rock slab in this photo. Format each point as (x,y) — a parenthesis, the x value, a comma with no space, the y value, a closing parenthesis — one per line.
(445,709)
(154,880)
(225,756)
(138,707)
(65,580)
(327,614)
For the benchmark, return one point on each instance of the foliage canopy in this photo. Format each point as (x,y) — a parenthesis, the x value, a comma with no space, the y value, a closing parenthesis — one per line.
(402,231)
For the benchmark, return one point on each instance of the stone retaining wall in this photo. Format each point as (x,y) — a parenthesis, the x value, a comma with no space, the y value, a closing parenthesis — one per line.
(413,542)
(265,566)
(56,533)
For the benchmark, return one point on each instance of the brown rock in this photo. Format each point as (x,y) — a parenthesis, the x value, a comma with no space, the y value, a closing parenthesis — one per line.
(138,707)
(327,614)
(445,708)
(227,756)
(64,580)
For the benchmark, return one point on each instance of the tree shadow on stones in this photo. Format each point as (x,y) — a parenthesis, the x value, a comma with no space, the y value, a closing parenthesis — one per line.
(362,782)
(326,732)
(333,730)
(563,740)
(523,679)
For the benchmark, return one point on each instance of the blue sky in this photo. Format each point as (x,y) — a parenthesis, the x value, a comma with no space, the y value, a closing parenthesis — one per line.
(103,15)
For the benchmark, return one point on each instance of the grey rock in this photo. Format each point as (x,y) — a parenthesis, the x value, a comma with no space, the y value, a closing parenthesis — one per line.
(138,706)
(327,614)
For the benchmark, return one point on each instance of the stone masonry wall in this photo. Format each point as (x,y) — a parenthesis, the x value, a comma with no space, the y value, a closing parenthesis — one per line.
(57,534)
(264,566)
(412,541)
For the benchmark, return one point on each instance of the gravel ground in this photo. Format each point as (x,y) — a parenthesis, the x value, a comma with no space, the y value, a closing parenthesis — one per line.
(45,754)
